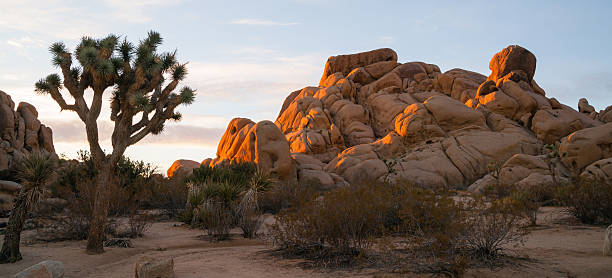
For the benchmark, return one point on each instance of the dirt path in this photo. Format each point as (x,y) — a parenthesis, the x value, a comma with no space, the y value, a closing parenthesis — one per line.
(556,248)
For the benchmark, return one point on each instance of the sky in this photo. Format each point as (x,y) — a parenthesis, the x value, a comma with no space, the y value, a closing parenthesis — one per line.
(245,57)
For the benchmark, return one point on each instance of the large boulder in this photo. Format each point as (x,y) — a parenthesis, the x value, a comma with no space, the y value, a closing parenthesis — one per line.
(346,63)
(512,58)
(262,143)
(607,246)
(8,191)
(44,269)
(150,267)
(586,146)
(183,167)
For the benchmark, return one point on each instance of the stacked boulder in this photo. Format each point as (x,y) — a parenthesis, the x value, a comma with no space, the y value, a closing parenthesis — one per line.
(372,118)
(21,132)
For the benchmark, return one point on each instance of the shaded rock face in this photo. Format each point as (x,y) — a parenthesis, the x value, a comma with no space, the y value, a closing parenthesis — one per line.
(8,191)
(372,118)
(21,132)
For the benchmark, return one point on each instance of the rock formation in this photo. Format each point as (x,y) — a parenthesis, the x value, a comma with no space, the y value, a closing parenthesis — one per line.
(182,166)
(372,118)
(21,132)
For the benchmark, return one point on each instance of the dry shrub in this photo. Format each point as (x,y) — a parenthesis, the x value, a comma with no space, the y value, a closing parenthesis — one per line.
(401,227)
(335,228)
(491,228)
(139,223)
(527,200)
(589,200)
(168,194)
(216,218)
(282,196)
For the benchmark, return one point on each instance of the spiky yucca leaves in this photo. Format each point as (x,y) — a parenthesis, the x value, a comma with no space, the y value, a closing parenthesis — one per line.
(143,83)
(35,172)
(248,211)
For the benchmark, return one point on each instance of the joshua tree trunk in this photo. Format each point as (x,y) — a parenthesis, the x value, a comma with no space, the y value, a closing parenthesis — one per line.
(95,240)
(10,249)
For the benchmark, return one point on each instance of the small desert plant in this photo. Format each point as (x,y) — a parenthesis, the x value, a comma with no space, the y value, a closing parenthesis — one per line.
(589,200)
(35,172)
(139,223)
(248,210)
(216,218)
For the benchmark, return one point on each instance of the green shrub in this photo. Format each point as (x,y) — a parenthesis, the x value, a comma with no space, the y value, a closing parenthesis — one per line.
(235,173)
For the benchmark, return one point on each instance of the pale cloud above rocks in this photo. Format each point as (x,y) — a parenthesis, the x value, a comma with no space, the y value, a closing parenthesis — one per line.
(261,22)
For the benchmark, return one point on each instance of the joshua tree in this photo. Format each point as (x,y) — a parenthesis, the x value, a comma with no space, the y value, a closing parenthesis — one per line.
(35,172)
(141,81)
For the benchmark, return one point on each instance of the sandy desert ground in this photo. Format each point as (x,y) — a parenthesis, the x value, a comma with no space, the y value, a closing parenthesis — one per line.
(558,247)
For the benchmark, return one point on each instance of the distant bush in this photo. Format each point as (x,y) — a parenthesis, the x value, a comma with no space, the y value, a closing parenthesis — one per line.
(589,200)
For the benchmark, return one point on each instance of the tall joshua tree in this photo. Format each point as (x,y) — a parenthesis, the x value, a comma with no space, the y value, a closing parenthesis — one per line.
(142,82)
(35,172)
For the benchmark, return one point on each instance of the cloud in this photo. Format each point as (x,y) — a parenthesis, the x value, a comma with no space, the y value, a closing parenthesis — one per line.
(48,18)
(174,133)
(139,10)
(262,22)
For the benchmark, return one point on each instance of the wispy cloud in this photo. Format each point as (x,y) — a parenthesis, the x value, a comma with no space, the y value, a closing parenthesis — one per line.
(263,22)
(173,134)
(139,10)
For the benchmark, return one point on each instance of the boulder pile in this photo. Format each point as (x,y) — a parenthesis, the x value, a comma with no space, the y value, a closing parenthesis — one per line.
(372,118)
(21,132)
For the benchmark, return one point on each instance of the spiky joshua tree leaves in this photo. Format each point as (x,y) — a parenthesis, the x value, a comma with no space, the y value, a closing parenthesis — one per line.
(142,82)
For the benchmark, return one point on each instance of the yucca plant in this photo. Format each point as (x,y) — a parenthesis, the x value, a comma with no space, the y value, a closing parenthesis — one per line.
(142,82)
(248,210)
(35,172)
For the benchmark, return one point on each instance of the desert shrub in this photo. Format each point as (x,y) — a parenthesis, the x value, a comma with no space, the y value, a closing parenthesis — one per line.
(168,194)
(491,227)
(235,173)
(281,196)
(336,227)
(528,200)
(588,200)
(129,189)
(139,223)
(216,218)
(400,226)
